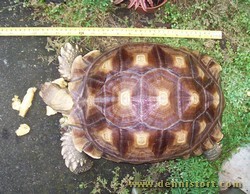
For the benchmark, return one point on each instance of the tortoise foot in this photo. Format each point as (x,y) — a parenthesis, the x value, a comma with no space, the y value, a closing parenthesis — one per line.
(76,161)
(214,153)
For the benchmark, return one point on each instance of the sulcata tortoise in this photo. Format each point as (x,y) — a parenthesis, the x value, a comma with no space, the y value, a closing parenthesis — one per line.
(137,103)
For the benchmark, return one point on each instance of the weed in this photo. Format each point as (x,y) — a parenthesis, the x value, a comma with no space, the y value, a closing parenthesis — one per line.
(117,185)
(72,13)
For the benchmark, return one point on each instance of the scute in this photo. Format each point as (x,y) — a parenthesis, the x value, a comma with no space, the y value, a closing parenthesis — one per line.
(150,102)
(159,106)
(191,98)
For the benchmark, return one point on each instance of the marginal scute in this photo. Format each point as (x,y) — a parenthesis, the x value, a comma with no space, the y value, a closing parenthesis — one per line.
(79,138)
(213,99)
(92,151)
(216,99)
(201,73)
(90,57)
(77,69)
(80,65)
(216,134)
(198,151)
(208,144)
(212,66)
(206,60)
(215,69)
(186,156)
(199,129)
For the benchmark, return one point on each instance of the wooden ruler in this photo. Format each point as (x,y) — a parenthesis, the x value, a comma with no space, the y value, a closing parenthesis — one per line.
(95,31)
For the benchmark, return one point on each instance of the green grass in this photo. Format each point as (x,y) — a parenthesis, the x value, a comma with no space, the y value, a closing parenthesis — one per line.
(230,16)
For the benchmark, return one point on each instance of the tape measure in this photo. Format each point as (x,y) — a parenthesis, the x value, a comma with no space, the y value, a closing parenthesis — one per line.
(95,31)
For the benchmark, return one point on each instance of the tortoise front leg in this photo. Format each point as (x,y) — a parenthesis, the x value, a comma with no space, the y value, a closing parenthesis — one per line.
(76,161)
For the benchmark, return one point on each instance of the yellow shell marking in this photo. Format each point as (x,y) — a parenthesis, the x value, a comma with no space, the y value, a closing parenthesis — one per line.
(203,125)
(106,67)
(201,73)
(141,60)
(181,137)
(141,139)
(163,97)
(125,98)
(194,98)
(106,135)
(216,99)
(208,144)
(90,101)
(179,62)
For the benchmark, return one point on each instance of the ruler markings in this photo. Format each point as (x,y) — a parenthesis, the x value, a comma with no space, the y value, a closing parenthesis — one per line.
(94,31)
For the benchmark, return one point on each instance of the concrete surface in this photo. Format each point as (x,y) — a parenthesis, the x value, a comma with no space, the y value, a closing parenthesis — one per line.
(33,163)
(237,169)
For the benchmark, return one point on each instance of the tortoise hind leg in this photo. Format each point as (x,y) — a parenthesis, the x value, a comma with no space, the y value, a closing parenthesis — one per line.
(213,153)
(76,161)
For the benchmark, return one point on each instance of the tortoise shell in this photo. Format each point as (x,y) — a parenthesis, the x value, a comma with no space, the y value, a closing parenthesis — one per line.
(146,102)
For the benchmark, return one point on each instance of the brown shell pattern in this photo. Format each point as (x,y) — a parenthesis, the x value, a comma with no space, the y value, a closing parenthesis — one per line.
(149,102)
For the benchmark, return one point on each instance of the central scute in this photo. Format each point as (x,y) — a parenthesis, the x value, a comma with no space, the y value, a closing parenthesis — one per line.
(151,99)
